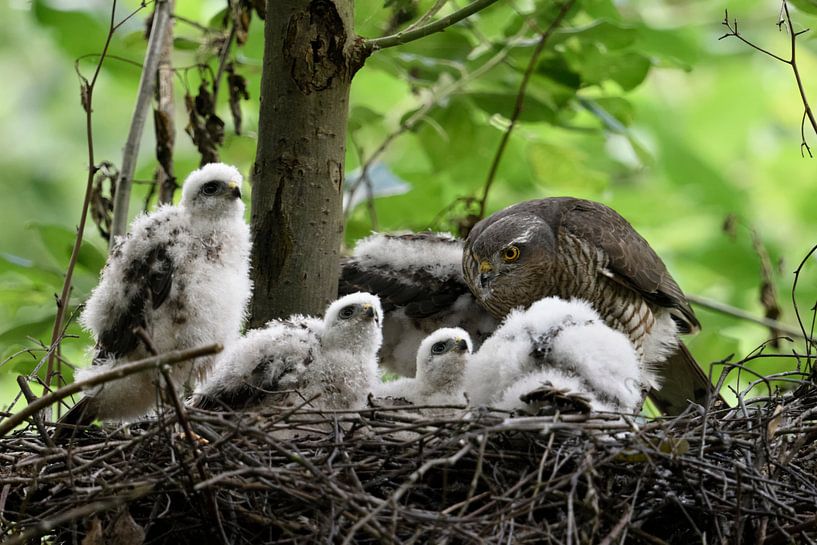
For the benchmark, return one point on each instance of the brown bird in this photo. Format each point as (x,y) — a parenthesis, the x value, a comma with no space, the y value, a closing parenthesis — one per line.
(569,247)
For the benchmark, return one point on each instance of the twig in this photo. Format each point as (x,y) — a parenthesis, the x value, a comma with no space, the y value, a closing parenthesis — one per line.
(86,95)
(161,21)
(222,61)
(807,336)
(22,381)
(791,61)
(164,125)
(431,28)
(520,100)
(729,310)
(118,372)
(420,114)
(78,512)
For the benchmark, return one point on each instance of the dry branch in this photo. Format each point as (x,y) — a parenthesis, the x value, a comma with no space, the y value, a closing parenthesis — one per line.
(161,22)
(392,475)
(168,358)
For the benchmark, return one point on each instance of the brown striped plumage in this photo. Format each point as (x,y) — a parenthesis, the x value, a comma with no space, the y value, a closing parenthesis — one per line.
(576,248)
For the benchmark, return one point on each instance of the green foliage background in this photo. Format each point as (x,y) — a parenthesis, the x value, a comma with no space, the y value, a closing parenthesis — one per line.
(635,103)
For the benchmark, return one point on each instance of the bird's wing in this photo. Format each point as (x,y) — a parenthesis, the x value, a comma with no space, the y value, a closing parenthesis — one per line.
(146,283)
(549,399)
(632,262)
(263,378)
(421,290)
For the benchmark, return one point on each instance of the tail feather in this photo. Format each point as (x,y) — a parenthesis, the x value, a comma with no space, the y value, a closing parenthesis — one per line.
(682,381)
(83,413)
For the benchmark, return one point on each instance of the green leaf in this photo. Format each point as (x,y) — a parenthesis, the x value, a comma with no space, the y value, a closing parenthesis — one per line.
(59,242)
(452,44)
(808,6)
(182,43)
(611,35)
(361,116)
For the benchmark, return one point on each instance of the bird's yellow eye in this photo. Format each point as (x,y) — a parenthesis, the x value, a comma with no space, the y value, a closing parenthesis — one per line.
(510,254)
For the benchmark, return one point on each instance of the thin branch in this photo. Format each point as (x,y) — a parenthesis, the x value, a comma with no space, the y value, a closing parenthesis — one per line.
(736,312)
(86,96)
(420,114)
(118,372)
(22,381)
(222,61)
(439,25)
(164,125)
(520,100)
(791,61)
(809,343)
(161,21)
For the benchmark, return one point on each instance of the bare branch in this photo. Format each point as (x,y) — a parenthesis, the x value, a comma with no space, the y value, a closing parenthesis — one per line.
(439,25)
(118,372)
(520,100)
(783,22)
(86,96)
(161,21)
(163,114)
(729,310)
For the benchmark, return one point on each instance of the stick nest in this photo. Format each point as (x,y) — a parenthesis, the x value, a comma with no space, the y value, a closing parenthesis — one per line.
(396,475)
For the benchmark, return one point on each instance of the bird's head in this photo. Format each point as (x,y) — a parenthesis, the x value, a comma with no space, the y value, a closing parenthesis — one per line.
(442,357)
(355,322)
(213,192)
(504,263)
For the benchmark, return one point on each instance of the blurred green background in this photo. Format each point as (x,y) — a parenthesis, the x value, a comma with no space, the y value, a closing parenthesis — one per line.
(635,103)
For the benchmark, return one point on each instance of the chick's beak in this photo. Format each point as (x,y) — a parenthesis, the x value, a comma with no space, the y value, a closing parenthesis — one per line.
(368,311)
(460,345)
(235,189)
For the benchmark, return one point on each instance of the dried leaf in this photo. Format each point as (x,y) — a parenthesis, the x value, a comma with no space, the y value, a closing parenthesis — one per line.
(125,531)
(260,8)
(242,14)
(730,226)
(204,101)
(93,533)
(204,127)
(101,205)
(237,86)
(774,422)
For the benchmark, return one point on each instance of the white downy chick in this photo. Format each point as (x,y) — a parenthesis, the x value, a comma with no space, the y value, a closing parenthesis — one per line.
(182,275)
(441,361)
(564,343)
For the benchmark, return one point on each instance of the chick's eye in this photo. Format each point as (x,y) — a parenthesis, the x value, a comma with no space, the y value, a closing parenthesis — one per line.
(438,348)
(210,188)
(346,313)
(510,254)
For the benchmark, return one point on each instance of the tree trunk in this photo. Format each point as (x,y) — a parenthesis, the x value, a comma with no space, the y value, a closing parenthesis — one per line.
(310,56)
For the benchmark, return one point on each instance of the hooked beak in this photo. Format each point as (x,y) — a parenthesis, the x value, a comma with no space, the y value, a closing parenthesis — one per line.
(368,311)
(486,274)
(235,189)
(460,345)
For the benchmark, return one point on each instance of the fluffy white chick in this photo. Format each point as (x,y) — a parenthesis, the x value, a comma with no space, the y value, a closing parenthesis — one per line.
(182,275)
(441,362)
(262,367)
(561,343)
(418,277)
(344,369)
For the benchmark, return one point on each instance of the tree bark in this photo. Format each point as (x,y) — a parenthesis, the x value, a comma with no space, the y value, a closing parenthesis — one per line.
(310,56)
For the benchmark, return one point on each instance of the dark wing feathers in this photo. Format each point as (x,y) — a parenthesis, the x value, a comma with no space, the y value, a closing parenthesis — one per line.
(149,282)
(633,262)
(416,290)
(257,389)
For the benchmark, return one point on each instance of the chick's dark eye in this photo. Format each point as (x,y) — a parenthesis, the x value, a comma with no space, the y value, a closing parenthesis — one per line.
(210,188)
(346,313)
(438,348)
